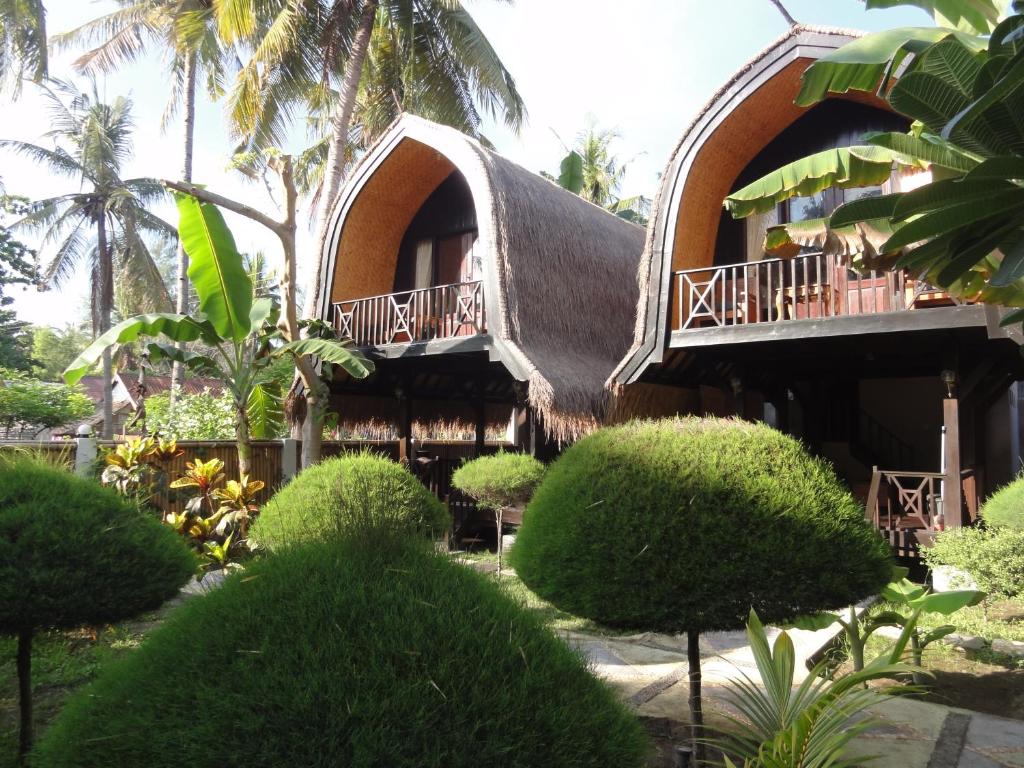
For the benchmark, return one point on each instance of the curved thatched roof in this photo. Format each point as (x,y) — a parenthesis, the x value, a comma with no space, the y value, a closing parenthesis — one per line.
(559,273)
(750,110)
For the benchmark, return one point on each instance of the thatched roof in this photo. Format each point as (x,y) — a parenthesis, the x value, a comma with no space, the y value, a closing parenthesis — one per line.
(745,115)
(559,273)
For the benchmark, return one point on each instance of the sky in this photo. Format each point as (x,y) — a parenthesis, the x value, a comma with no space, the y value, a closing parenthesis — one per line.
(642,67)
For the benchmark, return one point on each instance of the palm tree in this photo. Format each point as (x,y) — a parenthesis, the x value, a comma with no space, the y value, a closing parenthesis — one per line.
(186,30)
(22,42)
(104,222)
(330,57)
(602,169)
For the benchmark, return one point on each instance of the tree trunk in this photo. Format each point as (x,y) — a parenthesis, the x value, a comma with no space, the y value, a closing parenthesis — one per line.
(339,141)
(785,14)
(106,277)
(696,710)
(243,440)
(498,515)
(177,369)
(25,693)
(855,640)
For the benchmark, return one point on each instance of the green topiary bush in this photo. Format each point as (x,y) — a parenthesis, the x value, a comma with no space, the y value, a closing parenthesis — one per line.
(333,653)
(684,525)
(75,553)
(499,482)
(1005,507)
(994,557)
(330,498)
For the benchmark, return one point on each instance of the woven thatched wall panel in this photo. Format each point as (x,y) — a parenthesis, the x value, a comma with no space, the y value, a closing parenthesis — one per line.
(381,213)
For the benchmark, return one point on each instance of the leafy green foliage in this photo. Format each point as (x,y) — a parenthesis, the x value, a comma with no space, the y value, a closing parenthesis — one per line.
(993,557)
(977,16)
(73,553)
(28,406)
(1005,507)
(502,480)
(328,499)
(811,724)
(963,231)
(54,348)
(135,467)
(196,416)
(328,651)
(685,524)
(570,172)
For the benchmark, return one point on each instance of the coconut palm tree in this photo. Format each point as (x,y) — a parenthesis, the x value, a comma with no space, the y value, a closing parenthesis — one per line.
(22,42)
(102,224)
(321,56)
(186,31)
(330,58)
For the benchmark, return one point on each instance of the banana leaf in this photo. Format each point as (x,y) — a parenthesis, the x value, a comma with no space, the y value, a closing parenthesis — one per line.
(570,175)
(844,167)
(857,245)
(977,17)
(171,326)
(215,267)
(330,351)
(265,410)
(866,63)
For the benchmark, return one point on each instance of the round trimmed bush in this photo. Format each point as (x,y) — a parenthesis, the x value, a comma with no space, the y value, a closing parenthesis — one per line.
(73,553)
(501,480)
(686,524)
(1005,507)
(331,653)
(349,490)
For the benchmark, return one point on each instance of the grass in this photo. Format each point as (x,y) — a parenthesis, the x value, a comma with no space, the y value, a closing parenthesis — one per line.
(1005,621)
(554,618)
(61,663)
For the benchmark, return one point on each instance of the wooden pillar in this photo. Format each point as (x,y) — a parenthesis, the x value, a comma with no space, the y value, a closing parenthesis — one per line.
(481,419)
(952,501)
(405,454)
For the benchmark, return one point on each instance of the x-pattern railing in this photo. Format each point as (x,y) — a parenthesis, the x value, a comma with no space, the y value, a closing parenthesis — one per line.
(438,312)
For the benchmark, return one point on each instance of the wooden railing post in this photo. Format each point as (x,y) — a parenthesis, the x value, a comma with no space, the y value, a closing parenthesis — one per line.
(289,459)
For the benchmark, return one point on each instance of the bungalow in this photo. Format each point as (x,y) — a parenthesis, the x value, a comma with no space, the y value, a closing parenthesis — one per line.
(484,293)
(909,393)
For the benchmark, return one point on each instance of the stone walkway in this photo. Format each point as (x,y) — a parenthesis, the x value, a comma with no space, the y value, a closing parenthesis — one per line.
(650,673)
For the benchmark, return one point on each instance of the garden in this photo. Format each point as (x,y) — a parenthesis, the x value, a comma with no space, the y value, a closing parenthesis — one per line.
(332,625)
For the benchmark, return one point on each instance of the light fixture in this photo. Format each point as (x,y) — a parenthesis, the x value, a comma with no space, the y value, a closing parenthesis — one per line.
(948,378)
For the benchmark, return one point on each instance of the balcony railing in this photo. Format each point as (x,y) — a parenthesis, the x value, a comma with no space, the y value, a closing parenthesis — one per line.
(438,312)
(811,285)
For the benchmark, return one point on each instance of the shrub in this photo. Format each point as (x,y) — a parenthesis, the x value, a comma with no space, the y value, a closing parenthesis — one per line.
(329,498)
(1005,507)
(684,525)
(74,553)
(499,482)
(334,653)
(994,557)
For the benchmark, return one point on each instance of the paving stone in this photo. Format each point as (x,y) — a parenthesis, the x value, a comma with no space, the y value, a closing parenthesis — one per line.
(971,759)
(967,642)
(1009,647)
(990,732)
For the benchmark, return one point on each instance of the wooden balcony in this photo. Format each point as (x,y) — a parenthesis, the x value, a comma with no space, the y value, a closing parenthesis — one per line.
(807,287)
(424,315)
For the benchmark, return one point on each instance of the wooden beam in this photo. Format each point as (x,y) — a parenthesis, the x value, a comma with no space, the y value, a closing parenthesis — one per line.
(952,501)
(481,418)
(936,318)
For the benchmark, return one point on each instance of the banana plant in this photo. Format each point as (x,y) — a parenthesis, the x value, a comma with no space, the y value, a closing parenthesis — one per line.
(909,602)
(240,330)
(961,84)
